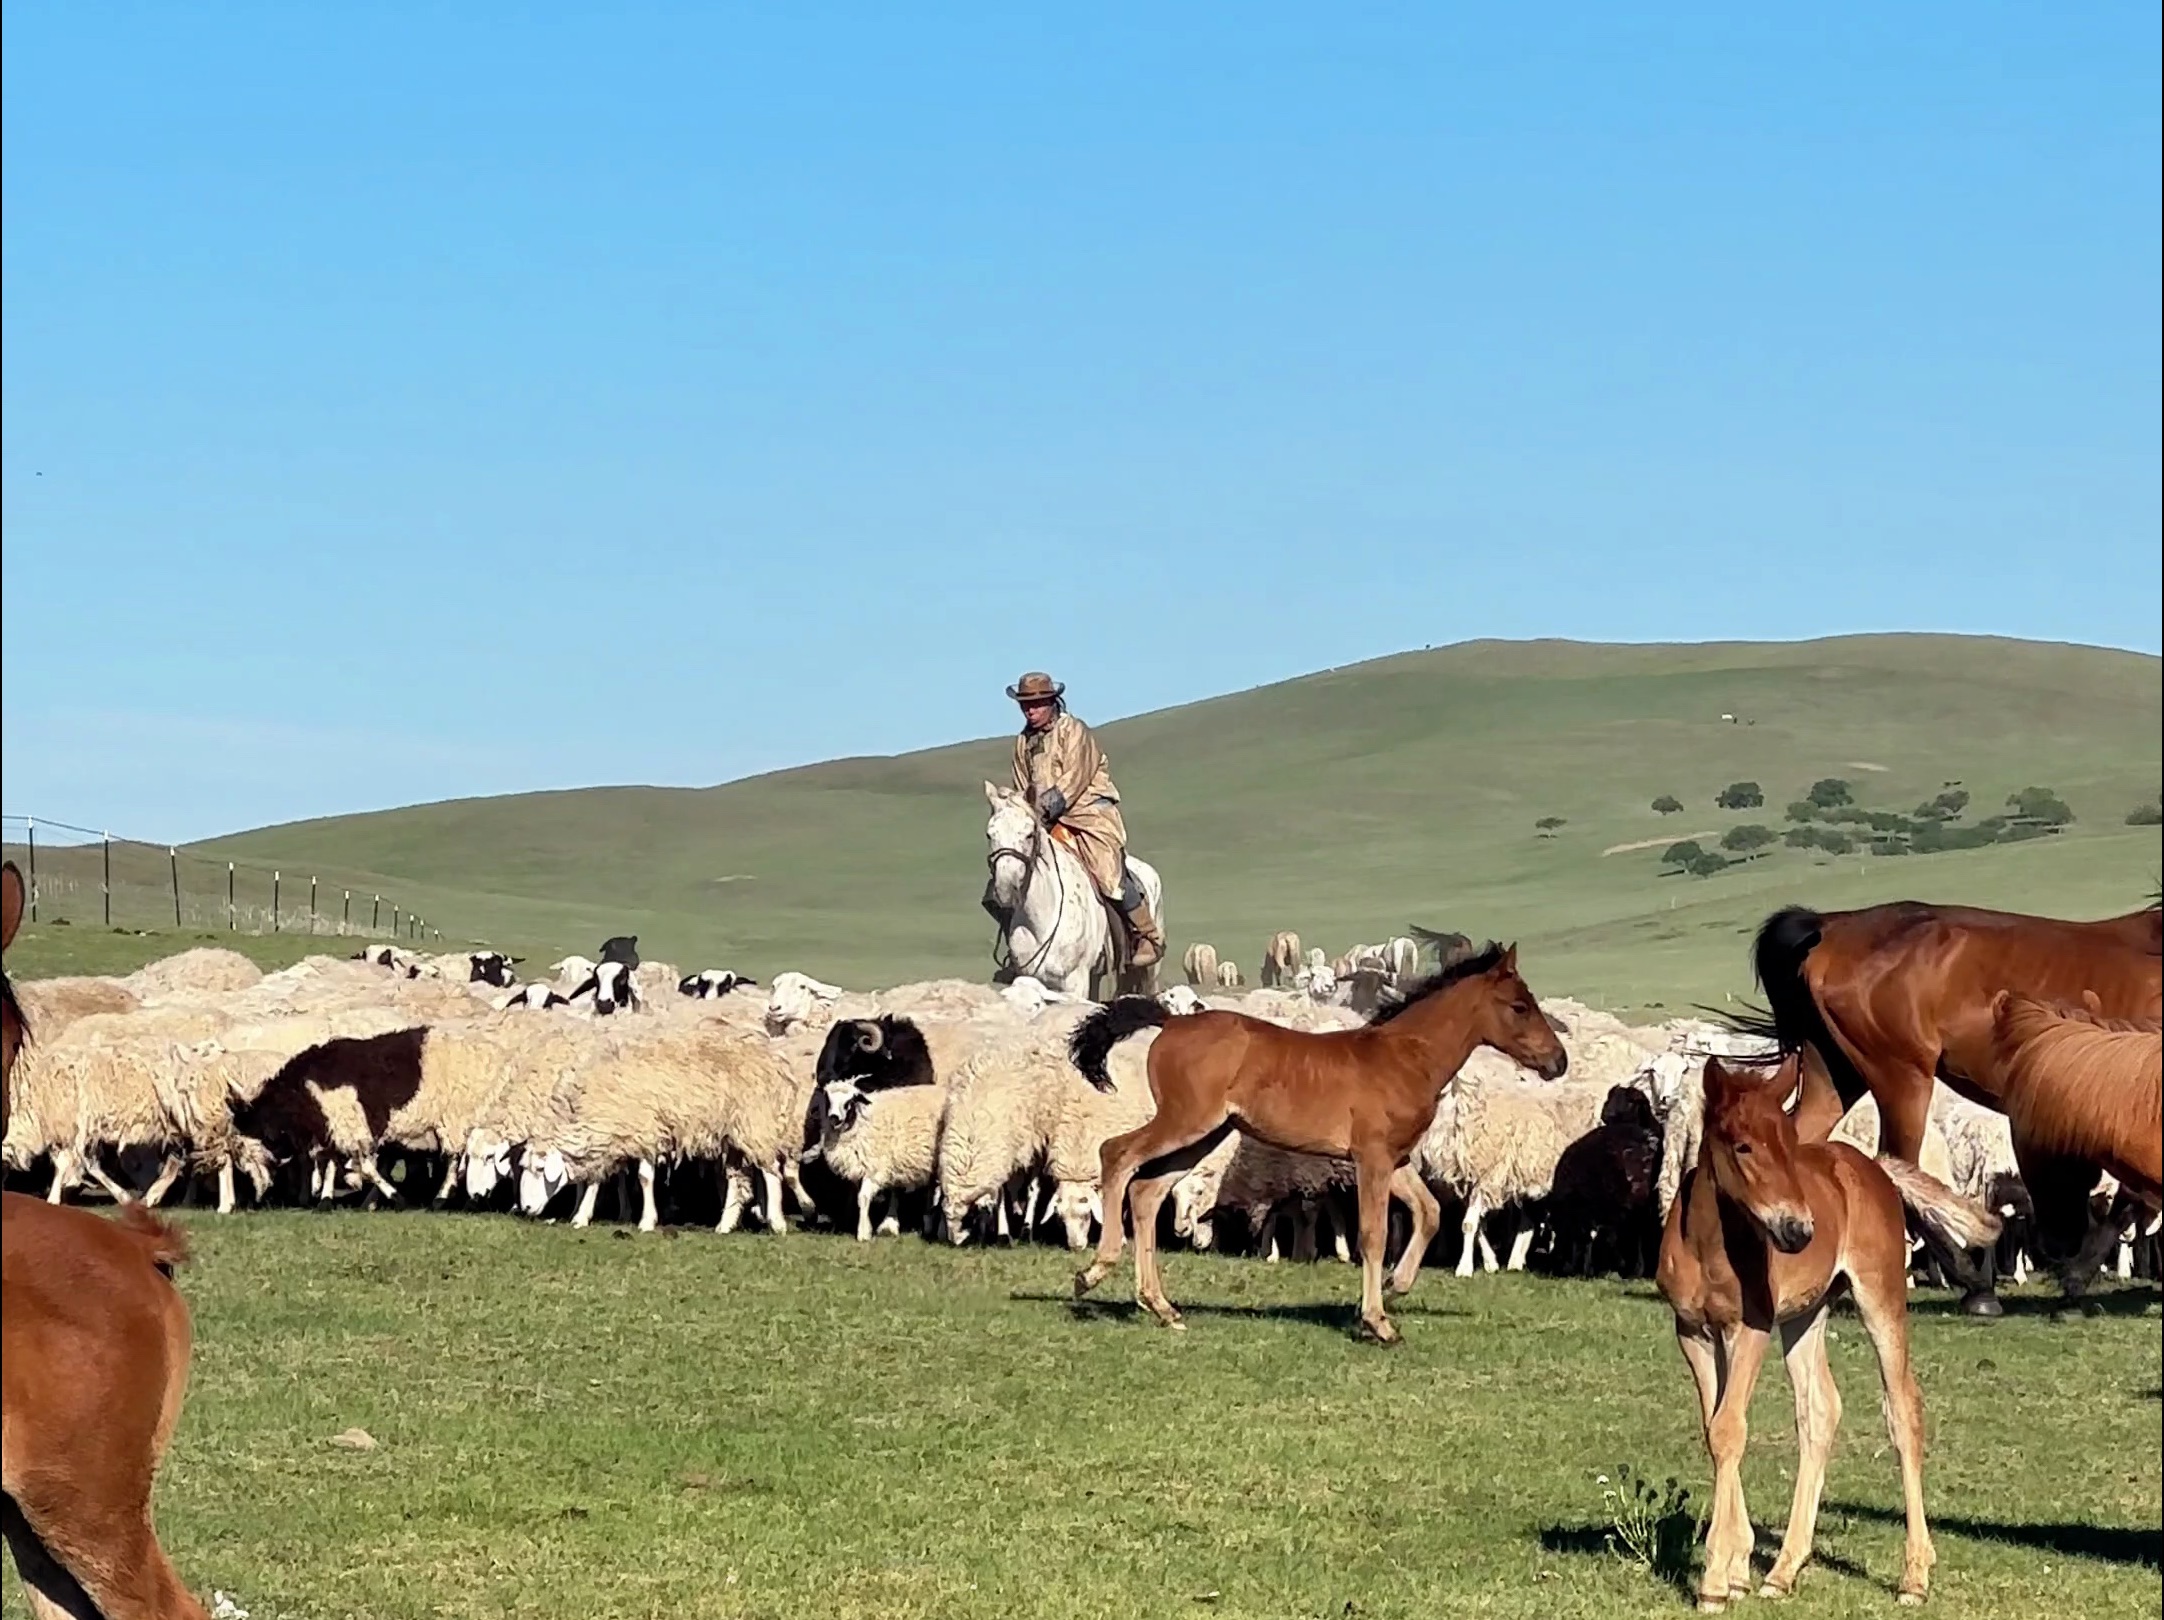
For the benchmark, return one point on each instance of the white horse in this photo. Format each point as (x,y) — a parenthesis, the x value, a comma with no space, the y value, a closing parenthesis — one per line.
(1058,933)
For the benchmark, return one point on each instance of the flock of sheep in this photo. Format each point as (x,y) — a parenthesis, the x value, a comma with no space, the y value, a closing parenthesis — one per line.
(949,1106)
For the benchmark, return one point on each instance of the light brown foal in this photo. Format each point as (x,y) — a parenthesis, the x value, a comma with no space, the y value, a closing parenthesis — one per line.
(94,1350)
(1761,1234)
(1367,1095)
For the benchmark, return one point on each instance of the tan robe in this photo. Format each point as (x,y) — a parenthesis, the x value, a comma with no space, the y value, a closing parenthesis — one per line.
(1065,756)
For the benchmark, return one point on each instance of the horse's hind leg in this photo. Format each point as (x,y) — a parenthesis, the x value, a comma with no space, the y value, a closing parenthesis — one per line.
(1883,1304)
(1176,1125)
(1411,1191)
(1145,1197)
(1818,1416)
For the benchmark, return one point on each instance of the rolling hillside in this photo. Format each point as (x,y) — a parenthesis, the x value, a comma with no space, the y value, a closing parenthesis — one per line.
(1344,805)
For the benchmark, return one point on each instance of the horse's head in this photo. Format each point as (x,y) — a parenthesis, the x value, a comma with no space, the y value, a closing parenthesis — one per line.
(1511,1020)
(1010,837)
(1750,1141)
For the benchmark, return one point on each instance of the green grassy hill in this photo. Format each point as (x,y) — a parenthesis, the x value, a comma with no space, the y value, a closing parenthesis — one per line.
(1345,805)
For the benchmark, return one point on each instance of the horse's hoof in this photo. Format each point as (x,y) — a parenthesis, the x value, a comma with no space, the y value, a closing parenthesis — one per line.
(1383,1332)
(1983,1304)
(1908,1599)
(1083,1283)
(1712,1605)
(1773,1589)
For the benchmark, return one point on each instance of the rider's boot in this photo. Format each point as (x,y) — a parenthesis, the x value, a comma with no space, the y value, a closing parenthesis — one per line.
(1147,940)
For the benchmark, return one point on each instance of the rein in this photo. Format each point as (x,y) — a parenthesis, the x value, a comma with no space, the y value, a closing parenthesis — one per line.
(1029,860)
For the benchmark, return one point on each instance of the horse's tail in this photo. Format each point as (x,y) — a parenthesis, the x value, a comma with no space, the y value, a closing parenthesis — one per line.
(1793,1021)
(1960,1222)
(165,1245)
(1093,1038)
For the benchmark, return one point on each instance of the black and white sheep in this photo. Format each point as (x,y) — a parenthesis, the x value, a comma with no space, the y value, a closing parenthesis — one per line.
(713,983)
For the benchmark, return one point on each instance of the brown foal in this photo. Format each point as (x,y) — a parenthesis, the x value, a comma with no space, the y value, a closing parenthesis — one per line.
(94,1349)
(1763,1231)
(1365,1094)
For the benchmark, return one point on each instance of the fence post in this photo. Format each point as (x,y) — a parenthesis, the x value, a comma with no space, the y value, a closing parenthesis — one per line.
(173,855)
(394,919)
(375,915)
(311,903)
(345,915)
(275,877)
(108,838)
(232,920)
(31,822)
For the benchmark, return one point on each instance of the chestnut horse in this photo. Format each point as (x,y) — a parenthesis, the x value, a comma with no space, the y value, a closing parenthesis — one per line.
(1365,1094)
(94,1346)
(1760,1234)
(1893,996)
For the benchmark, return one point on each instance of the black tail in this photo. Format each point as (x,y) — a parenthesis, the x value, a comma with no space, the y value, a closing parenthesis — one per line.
(1093,1038)
(1784,944)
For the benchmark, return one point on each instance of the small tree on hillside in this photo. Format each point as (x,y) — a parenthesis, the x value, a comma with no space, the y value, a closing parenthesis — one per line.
(1830,792)
(1740,796)
(1708,863)
(1801,838)
(1682,854)
(1800,810)
(1667,804)
(1548,824)
(1748,839)
(2150,814)
(2040,807)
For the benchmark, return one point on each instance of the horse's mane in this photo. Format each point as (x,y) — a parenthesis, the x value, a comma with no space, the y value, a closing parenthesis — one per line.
(1481,961)
(14,1007)
(2075,1083)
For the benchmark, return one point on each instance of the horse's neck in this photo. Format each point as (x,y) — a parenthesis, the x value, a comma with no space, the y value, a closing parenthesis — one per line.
(1446,1041)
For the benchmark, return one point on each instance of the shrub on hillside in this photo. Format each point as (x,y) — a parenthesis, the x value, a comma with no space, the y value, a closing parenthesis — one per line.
(1830,792)
(2040,807)
(1548,824)
(1748,839)
(1667,804)
(1889,846)
(1800,810)
(2146,815)
(1801,838)
(1707,863)
(1943,807)
(1740,796)
(1834,841)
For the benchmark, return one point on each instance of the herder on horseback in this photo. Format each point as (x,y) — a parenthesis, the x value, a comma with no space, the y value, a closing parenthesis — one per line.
(1060,770)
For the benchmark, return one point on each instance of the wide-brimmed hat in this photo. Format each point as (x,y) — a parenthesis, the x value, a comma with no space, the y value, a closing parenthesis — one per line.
(1035,687)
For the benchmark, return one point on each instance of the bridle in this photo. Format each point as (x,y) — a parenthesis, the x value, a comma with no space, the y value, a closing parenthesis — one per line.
(1029,858)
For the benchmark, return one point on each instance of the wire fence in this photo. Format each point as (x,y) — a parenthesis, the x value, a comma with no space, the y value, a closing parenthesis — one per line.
(83,876)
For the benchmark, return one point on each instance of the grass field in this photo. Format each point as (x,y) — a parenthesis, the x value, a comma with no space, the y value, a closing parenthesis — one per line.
(600,1425)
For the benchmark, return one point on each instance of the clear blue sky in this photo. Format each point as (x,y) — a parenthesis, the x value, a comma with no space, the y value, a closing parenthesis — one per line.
(404,404)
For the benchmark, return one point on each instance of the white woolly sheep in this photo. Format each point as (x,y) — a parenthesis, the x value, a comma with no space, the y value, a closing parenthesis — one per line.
(798,998)
(1228,975)
(887,1141)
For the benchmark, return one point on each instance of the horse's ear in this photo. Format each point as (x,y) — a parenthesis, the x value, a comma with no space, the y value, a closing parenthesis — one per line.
(1510,957)
(2089,998)
(991,794)
(11,902)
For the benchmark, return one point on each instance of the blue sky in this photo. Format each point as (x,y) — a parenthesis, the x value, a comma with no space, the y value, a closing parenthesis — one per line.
(409,403)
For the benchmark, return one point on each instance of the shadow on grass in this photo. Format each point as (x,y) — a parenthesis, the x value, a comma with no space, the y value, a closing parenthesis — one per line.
(1339,1316)
(2118,1302)
(1680,1563)
(2142,1546)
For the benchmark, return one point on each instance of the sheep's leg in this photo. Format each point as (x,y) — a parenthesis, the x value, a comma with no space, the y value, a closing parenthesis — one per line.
(1475,1207)
(63,1165)
(999,1214)
(588,1198)
(453,1163)
(776,1221)
(892,1225)
(1303,1231)
(734,1200)
(1487,1255)
(169,1172)
(649,1211)
(795,1180)
(1340,1232)
(374,1172)
(1036,1187)
(867,1191)
(1520,1247)
(227,1193)
(121,1195)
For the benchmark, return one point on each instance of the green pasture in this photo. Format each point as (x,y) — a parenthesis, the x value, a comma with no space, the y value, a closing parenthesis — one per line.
(603,1425)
